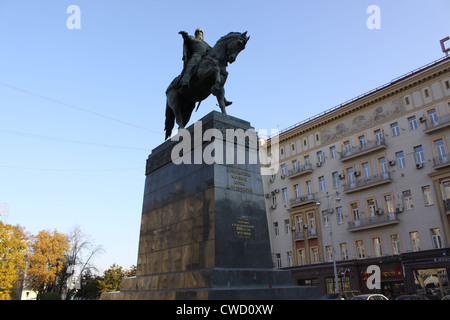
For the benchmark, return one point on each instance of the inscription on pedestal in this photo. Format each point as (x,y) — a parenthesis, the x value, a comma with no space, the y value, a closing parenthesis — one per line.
(240,180)
(244,228)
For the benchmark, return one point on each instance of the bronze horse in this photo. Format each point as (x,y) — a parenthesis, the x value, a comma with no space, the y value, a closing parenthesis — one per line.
(209,77)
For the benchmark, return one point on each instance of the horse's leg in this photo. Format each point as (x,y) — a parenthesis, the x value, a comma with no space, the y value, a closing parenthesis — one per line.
(174,100)
(215,89)
(221,99)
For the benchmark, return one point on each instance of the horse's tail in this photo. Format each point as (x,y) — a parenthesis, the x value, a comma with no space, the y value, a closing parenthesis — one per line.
(170,120)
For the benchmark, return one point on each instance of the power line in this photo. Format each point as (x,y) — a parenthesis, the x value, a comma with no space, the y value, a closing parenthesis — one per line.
(70,170)
(77,108)
(31,135)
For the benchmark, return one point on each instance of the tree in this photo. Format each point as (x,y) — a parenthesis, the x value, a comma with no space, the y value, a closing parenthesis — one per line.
(46,260)
(112,279)
(78,260)
(13,251)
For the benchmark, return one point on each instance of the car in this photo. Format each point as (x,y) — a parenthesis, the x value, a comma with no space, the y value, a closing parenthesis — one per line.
(346,295)
(370,296)
(412,297)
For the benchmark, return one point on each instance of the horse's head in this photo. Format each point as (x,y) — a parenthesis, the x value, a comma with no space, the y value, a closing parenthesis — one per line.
(236,45)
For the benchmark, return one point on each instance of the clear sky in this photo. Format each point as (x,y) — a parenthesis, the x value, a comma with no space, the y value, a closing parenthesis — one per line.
(81,109)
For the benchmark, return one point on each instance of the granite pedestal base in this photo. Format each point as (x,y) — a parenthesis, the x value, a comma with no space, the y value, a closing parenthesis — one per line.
(204,232)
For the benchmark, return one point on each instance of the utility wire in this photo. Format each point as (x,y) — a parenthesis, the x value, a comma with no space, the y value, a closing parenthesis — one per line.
(69,170)
(30,135)
(77,108)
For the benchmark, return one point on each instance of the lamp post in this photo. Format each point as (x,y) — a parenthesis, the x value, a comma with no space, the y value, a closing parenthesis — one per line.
(329,212)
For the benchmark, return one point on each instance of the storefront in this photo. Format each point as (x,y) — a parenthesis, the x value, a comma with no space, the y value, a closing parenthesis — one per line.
(408,273)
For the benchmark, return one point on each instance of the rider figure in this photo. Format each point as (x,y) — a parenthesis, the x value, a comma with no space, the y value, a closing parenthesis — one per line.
(194,49)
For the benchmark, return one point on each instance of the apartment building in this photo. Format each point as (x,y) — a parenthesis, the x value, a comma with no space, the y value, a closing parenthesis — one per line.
(376,172)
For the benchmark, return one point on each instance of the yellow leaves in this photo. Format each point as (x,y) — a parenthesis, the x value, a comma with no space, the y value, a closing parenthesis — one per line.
(47,259)
(13,250)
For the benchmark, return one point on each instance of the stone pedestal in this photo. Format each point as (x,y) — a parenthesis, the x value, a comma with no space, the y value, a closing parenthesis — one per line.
(204,231)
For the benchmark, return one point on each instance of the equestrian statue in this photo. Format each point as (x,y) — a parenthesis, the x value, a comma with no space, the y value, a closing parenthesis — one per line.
(204,72)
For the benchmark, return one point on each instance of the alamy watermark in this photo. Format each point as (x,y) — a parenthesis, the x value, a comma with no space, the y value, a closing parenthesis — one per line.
(374,20)
(236,146)
(74,20)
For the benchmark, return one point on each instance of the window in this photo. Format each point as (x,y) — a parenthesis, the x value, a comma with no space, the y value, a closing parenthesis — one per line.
(329,251)
(285,194)
(436,238)
(420,157)
(335,179)
(296,191)
(347,148)
(326,219)
(351,177)
(278,260)
(287,226)
(355,212)
(383,167)
(301,257)
(366,170)
(333,152)
(395,129)
(322,183)
(441,154)
(362,142)
(276,229)
(377,247)
(360,250)
(407,100)
(433,117)
(309,187)
(412,123)
(427,195)
(307,162)
(415,243)
(395,243)
(400,160)
(299,223)
(371,207)
(312,223)
(340,215)
(320,157)
(283,169)
(378,136)
(426,93)
(447,84)
(407,200)
(389,203)
(289,258)
(294,165)
(274,199)
(314,255)
(344,251)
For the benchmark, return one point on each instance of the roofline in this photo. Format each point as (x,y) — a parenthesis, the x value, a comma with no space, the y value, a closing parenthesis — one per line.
(364,95)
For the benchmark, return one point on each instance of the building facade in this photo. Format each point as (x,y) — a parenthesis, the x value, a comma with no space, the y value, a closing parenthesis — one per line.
(371,179)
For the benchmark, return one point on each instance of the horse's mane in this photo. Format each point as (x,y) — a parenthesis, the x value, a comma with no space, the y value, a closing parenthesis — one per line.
(228,37)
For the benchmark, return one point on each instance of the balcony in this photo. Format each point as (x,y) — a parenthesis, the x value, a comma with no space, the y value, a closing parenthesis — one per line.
(373,222)
(365,183)
(441,161)
(369,147)
(300,235)
(436,125)
(303,200)
(299,171)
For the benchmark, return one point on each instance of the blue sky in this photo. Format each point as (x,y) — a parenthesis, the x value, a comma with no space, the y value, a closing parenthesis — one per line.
(81,110)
